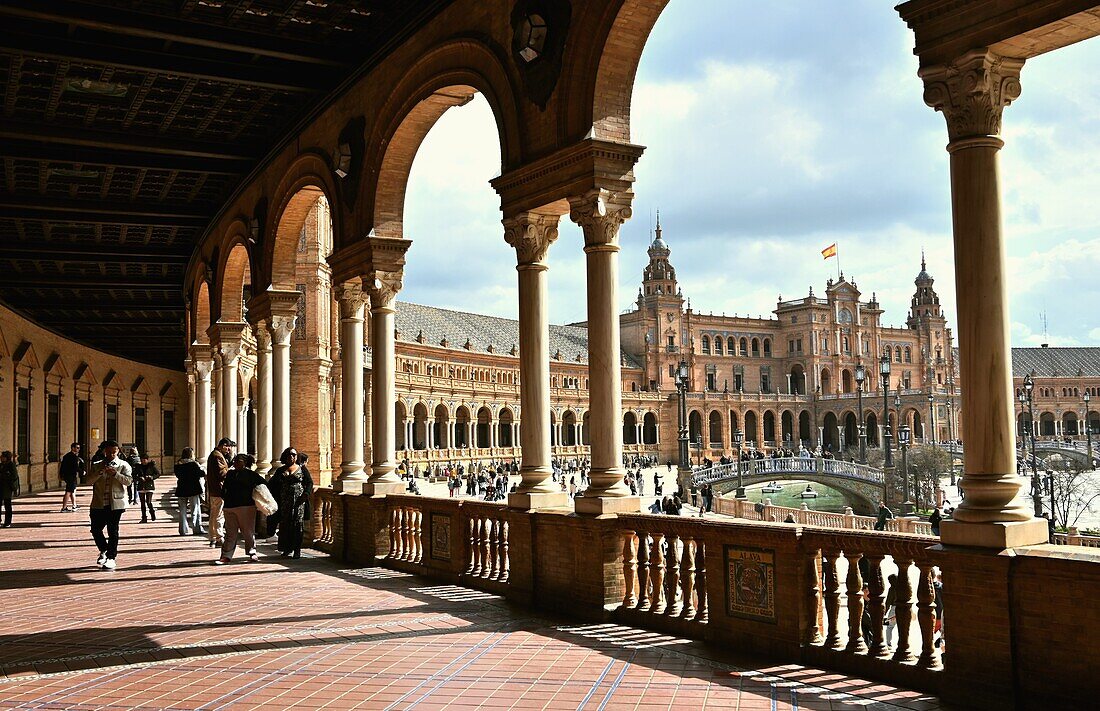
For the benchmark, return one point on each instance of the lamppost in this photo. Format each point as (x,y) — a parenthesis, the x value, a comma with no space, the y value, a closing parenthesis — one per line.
(932,423)
(884,371)
(1036,487)
(699,448)
(681,390)
(861,375)
(1088,428)
(904,435)
(738,438)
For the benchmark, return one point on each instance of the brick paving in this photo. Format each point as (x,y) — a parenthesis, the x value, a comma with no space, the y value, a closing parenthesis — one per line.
(168,630)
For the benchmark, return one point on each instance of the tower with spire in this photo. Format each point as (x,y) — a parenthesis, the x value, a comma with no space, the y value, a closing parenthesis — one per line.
(659,276)
(927,319)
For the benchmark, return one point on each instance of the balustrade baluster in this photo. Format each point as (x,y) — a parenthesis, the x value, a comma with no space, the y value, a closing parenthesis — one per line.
(505,562)
(418,536)
(471,546)
(657,574)
(643,570)
(408,530)
(630,570)
(812,631)
(486,536)
(833,595)
(926,616)
(856,643)
(400,533)
(687,578)
(701,611)
(475,545)
(672,576)
(877,588)
(903,609)
(494,548)
(395,528)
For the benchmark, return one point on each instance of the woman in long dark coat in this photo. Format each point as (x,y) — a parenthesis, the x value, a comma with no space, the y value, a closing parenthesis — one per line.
(295,490)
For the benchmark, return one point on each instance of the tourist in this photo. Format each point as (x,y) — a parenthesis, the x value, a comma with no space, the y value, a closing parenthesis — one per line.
(708,497)
(70,470)
(295,490)
(217,468)
(884,515)
(934,521)
(134,460)
(145,485)
(288,459)
(694,494)
(110,479)
(239,508)
(189,476)
(866,625)
(9,485)
(891,615)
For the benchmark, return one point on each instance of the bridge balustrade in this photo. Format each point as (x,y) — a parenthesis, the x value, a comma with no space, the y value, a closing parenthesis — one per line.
(791,465)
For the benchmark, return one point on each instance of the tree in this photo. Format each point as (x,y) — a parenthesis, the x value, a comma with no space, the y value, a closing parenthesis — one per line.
(926,465)
(1073,490)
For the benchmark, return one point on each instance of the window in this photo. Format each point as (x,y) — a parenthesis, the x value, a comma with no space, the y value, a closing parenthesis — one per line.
(712,381)
(847,346)
(790,346)
(53,427)
(706,345)
(897,354)
(907,379)
(908,354)
(744,347)
(794,319)
(671,370)
(767,348)
(23,426)
(112,422)
(718,346)
(765,379)
(755,348)
(168,432)
(139,430)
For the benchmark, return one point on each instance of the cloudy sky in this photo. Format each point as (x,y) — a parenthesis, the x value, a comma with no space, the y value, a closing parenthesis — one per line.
(772,131)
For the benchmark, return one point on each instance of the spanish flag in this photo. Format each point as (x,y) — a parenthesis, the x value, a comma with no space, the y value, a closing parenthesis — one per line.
(829,251)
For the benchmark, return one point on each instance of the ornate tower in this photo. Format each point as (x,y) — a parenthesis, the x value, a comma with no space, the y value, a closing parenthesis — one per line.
(927,319)
(659,276)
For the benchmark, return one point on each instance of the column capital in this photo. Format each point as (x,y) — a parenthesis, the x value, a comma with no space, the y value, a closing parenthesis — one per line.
(262,335)
(203,369)
(972,92)
(281,326)
(600,213)
(350,296)
(531,234)
(265,305)
(384,287)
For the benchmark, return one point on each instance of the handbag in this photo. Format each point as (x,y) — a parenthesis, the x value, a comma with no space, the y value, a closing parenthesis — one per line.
(265,502)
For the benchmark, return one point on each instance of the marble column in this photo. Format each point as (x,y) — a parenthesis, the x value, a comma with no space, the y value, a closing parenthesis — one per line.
(229,352)
(243,443)
(264,454)
(972,92)
(383,289)
(352,303)
(600,214)
(189,366)
(281,328)
(217,384)
(203,366)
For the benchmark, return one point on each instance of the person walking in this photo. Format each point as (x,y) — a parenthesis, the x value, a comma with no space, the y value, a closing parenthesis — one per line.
(110,479)
(70,471)
(145,485)
(275,485)
(294,497)
(189,476)
(217,468)
(134,460)
(934,521)
(9,485)
(884,515)
(239,508)
(891,615)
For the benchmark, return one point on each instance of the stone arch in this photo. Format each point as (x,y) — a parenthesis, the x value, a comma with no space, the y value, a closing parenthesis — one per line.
(630,429)
(399,416)
(649,428)
(569,428)
(851,429)
(829,437)
(805,434)
(846,381)
(484,422)
(462,422)
(917,425)
(714,429)
(420,426)
(872,429)
(447,76)
(755,347)
(1069,423)
(751,434)
(731,346)
(441,418)
(769,426)
(798,379)
(826,382)
(233,274)
(201,304)
(695,426)
(706,345)
(308,179)
(787,426)
(613,86)
(505,418)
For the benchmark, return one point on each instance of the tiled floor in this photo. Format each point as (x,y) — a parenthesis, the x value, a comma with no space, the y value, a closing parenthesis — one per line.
(169,630)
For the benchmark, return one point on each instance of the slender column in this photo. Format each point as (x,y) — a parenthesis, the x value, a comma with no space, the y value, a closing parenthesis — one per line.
(218,386)
(383,290)
(263,397)
(189,366)
(493,425)
(243,445)
(352,302)
(203,366)
(281,327)
(230,352)
(972,93)
(531,235)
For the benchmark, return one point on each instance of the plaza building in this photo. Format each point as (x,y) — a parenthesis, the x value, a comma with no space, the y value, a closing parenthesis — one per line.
(203,236)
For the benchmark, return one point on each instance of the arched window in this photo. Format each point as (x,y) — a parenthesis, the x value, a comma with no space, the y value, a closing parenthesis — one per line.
(908,354)
(744,347)
(897,354)
(718,345)
(767,348)
(755,348)
(731,346)
(706,345)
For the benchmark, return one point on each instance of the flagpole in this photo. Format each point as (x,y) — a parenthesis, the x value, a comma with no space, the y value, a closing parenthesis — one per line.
(838,272)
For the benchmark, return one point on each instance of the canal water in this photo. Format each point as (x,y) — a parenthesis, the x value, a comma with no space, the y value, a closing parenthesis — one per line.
(828,499)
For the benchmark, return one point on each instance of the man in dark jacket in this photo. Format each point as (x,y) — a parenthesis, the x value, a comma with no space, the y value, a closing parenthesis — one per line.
(189,476)
(71,469)
(9,485)
(884,515)
(217,467)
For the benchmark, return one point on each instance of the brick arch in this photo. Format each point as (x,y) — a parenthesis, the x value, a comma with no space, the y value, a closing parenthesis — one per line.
(610,87)
(200,303)
(308,179)
(448,76)
(233,273)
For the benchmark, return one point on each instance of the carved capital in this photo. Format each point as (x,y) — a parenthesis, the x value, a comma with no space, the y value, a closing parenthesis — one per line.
(262,335)
(384,287)
(972,92)
(230,352)
(281,326)
(203,369)
(600,213)
(351,298)
(531,235)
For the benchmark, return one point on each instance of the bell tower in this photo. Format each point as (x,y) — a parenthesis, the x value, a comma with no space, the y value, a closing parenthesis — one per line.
(659,276)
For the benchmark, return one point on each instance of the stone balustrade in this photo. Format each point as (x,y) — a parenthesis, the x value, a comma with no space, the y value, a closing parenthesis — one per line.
(766,511)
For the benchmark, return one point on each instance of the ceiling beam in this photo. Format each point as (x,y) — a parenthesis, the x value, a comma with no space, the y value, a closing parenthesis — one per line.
(291,79)
(144,321)
(119,157)
(99,207)
(99,253)
(117,20)
(35,304)
(173,330)
(88,282)
(238,161)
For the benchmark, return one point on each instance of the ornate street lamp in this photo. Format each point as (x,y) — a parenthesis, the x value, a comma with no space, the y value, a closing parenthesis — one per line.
(1088,428)
(682,377)
(861,375)
(1036,487)
(738,438)
(904,439)
(884,371)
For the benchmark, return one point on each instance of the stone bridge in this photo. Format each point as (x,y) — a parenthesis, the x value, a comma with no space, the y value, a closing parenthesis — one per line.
(864,485)
(1078,451)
